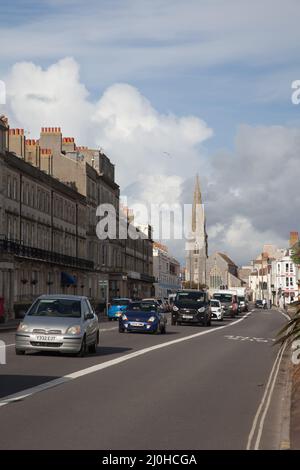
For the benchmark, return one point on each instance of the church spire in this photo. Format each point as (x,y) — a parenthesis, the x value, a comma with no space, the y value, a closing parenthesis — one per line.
(197,200)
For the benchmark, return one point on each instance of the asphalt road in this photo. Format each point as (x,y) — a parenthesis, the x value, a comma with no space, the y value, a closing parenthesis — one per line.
(210,388)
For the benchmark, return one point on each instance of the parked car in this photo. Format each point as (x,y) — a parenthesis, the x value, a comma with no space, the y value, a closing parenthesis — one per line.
(191,306)
(159,302)
(243,303)
(144,316)
(259,304)
(64,323)
(217,312)
(116,308)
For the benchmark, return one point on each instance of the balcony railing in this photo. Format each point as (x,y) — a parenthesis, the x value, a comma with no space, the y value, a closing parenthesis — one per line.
(24,251)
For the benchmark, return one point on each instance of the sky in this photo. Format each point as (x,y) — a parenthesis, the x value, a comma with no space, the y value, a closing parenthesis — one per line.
(169,89)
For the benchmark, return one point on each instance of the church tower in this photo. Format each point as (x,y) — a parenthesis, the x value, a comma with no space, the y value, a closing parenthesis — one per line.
(196,246)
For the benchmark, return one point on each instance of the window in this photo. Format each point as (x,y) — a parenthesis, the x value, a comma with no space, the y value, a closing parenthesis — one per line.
(287,282)
(278,268)
(14,189)
(291,281)
(8,186)
(291,268)
(287,267)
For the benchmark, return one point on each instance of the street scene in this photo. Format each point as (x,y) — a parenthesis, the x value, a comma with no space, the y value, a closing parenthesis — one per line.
(148,392)
(149,239)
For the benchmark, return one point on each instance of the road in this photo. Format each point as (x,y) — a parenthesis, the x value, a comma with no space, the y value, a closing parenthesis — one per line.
(193,388)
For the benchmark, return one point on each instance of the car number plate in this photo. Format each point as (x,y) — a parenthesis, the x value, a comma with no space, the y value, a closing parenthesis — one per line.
(134,323)
(46,339)
(187,316)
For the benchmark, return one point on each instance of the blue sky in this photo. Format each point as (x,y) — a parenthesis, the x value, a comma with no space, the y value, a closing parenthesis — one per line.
(228,63)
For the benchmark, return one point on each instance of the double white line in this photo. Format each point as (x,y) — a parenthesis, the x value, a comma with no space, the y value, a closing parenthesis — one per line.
(254,438)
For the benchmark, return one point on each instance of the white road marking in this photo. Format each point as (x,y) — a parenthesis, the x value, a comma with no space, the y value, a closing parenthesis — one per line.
(90,370)
(265,399)
(249,338)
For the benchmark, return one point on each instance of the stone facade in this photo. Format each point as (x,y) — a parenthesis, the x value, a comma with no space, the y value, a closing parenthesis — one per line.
(196,246)
(166,270)
(222,272)
(49,194)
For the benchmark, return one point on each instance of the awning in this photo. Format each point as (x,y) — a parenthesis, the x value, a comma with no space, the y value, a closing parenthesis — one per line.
(68,280)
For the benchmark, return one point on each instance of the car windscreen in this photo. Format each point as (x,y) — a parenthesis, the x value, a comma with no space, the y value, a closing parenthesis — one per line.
(191,297)
(223,297)
(120,302)
(214,303)
(148,307)
(134,306)
(56,308)
(241,299)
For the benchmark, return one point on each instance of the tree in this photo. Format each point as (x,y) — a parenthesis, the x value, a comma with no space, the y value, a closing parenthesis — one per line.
(291,331)
(296,253)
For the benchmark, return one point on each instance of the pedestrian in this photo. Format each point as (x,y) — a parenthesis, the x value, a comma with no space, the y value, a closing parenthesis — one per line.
(270,304)
(264,303)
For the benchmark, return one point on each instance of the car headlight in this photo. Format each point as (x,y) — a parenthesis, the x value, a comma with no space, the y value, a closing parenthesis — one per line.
(175,309)
(151,319)
(23,327)
(201,309)
(124,317)
(74,330)
(230,307)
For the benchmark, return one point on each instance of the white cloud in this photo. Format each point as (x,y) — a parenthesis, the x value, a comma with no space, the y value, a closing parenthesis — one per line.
(251,195)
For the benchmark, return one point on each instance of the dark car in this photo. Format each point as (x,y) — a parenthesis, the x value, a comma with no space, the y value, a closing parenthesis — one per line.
(191,306)
(259,304)
(143,316)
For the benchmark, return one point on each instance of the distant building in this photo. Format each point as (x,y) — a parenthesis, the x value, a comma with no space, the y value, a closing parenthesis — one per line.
(244,273)
(274,275)
(166,270)
(222,272)
(196,246)
(285,275)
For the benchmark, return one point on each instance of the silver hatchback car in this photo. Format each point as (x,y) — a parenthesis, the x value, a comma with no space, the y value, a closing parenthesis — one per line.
(64,323)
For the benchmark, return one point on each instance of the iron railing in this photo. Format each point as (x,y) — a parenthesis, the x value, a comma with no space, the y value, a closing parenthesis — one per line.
(24,251)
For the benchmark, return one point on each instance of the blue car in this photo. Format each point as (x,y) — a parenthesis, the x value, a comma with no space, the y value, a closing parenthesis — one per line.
(145,317)
(116,308)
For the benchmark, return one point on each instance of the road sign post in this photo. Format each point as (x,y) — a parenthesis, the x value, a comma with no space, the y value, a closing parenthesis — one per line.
(105,285)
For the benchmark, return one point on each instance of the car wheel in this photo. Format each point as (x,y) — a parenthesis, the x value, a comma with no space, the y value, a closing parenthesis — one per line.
(82,351)
(121,330)
(173,322)
(93,347)
(164,330)
(109,319)
(20,352)
(178,323)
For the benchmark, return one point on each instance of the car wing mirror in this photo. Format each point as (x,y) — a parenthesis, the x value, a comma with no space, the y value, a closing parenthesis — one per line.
(88,316)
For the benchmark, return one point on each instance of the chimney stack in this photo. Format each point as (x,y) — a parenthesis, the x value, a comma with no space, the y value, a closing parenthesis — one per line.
(294,238)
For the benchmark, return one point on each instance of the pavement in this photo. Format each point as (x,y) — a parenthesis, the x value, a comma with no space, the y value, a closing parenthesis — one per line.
(218,387)
(11,325)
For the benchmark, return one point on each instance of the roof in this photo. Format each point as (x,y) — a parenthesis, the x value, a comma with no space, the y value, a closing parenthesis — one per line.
(227,259)
(62,296)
